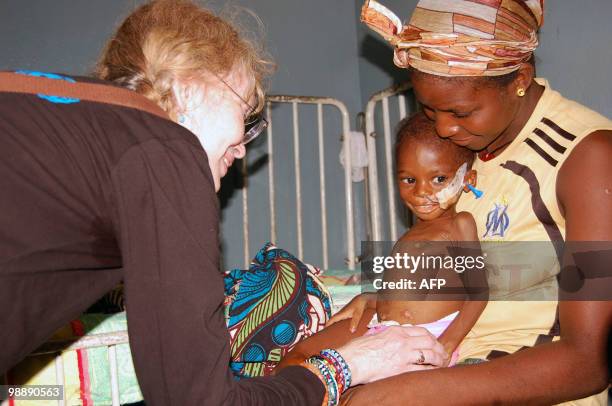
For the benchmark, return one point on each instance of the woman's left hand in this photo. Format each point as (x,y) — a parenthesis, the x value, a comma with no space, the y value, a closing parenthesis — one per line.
(391,352)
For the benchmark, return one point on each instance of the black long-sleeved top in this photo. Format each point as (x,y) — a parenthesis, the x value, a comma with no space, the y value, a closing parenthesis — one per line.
(94,192)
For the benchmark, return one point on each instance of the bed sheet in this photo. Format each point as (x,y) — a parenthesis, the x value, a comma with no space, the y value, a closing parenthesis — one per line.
(343,285)
(86,376)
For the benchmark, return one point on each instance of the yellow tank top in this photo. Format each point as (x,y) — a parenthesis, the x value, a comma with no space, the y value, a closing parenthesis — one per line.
(520,204)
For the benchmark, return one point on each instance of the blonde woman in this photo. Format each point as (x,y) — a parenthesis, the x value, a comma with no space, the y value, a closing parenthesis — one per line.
(101,184)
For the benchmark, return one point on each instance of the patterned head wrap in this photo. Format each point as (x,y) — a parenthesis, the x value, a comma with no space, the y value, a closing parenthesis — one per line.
(461,37)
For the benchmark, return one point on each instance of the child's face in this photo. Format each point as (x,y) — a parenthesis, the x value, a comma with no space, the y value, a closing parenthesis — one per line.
(422,171)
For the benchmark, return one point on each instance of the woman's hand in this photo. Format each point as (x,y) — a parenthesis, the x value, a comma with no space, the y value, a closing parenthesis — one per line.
(354,310)
(392,351)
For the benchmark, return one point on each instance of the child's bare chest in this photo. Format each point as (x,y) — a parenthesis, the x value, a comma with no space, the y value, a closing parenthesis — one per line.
(440,230)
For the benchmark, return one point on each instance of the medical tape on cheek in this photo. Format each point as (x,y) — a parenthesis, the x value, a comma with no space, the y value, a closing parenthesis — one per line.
(447,195)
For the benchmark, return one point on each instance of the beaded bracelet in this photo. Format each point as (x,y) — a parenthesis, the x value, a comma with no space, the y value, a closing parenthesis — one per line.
(330,374)
(333,371)
(335,364)
(346,371)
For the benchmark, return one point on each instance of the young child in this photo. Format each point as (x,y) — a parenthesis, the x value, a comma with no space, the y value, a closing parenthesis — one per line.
(432,172)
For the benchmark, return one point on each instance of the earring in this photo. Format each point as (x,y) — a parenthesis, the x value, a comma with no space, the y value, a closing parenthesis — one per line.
(181,119)
(520,92)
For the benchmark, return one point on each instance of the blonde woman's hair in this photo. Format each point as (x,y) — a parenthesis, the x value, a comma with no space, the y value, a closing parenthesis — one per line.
(165,40)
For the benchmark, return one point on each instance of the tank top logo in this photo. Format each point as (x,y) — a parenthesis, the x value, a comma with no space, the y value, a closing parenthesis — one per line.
(498,220)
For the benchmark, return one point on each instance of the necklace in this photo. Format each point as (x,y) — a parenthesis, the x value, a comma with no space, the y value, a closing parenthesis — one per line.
(485,155)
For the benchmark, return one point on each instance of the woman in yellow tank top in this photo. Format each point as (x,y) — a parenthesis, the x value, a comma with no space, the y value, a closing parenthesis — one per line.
(544,164)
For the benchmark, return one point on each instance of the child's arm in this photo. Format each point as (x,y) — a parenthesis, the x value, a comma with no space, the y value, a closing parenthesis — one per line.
(465,232)
(333,336)
(463,323)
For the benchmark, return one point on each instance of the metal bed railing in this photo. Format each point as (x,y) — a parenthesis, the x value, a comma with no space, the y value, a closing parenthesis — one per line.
(376,216)
(320,103)
(108,340)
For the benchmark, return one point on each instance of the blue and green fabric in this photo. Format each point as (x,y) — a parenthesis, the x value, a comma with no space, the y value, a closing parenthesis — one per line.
(270,307)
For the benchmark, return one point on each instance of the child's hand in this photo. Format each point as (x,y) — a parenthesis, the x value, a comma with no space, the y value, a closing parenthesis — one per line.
(354,310)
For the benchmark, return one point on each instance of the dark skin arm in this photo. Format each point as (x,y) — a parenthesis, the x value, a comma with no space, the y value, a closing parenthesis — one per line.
(571,368)
(458,329)
(465,231)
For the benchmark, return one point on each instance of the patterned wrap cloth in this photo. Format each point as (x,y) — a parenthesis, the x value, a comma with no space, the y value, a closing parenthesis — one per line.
(461,37)
(270,307)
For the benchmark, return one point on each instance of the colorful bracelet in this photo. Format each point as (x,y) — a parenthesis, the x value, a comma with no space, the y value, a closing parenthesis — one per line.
(330,375)
(333,371)
(346,371)
(337,367)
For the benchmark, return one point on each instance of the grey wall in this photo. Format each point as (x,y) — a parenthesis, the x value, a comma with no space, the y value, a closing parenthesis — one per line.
(314,44)
(321,49)
(57,36)
(575,54)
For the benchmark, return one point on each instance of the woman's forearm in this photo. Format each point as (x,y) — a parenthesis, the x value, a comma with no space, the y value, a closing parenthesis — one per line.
(547,374)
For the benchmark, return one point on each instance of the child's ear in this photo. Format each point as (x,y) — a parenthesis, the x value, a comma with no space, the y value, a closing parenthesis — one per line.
(471,178)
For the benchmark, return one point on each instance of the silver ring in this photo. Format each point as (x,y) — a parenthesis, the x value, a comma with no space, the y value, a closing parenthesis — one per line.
(421,359)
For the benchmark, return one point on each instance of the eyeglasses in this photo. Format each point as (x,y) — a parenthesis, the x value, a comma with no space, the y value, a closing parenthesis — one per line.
(253,127)
(254,124)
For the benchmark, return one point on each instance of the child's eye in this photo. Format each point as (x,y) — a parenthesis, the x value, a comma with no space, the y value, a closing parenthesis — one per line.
(409,181)
(460,114)
(440,179)
(428,112)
